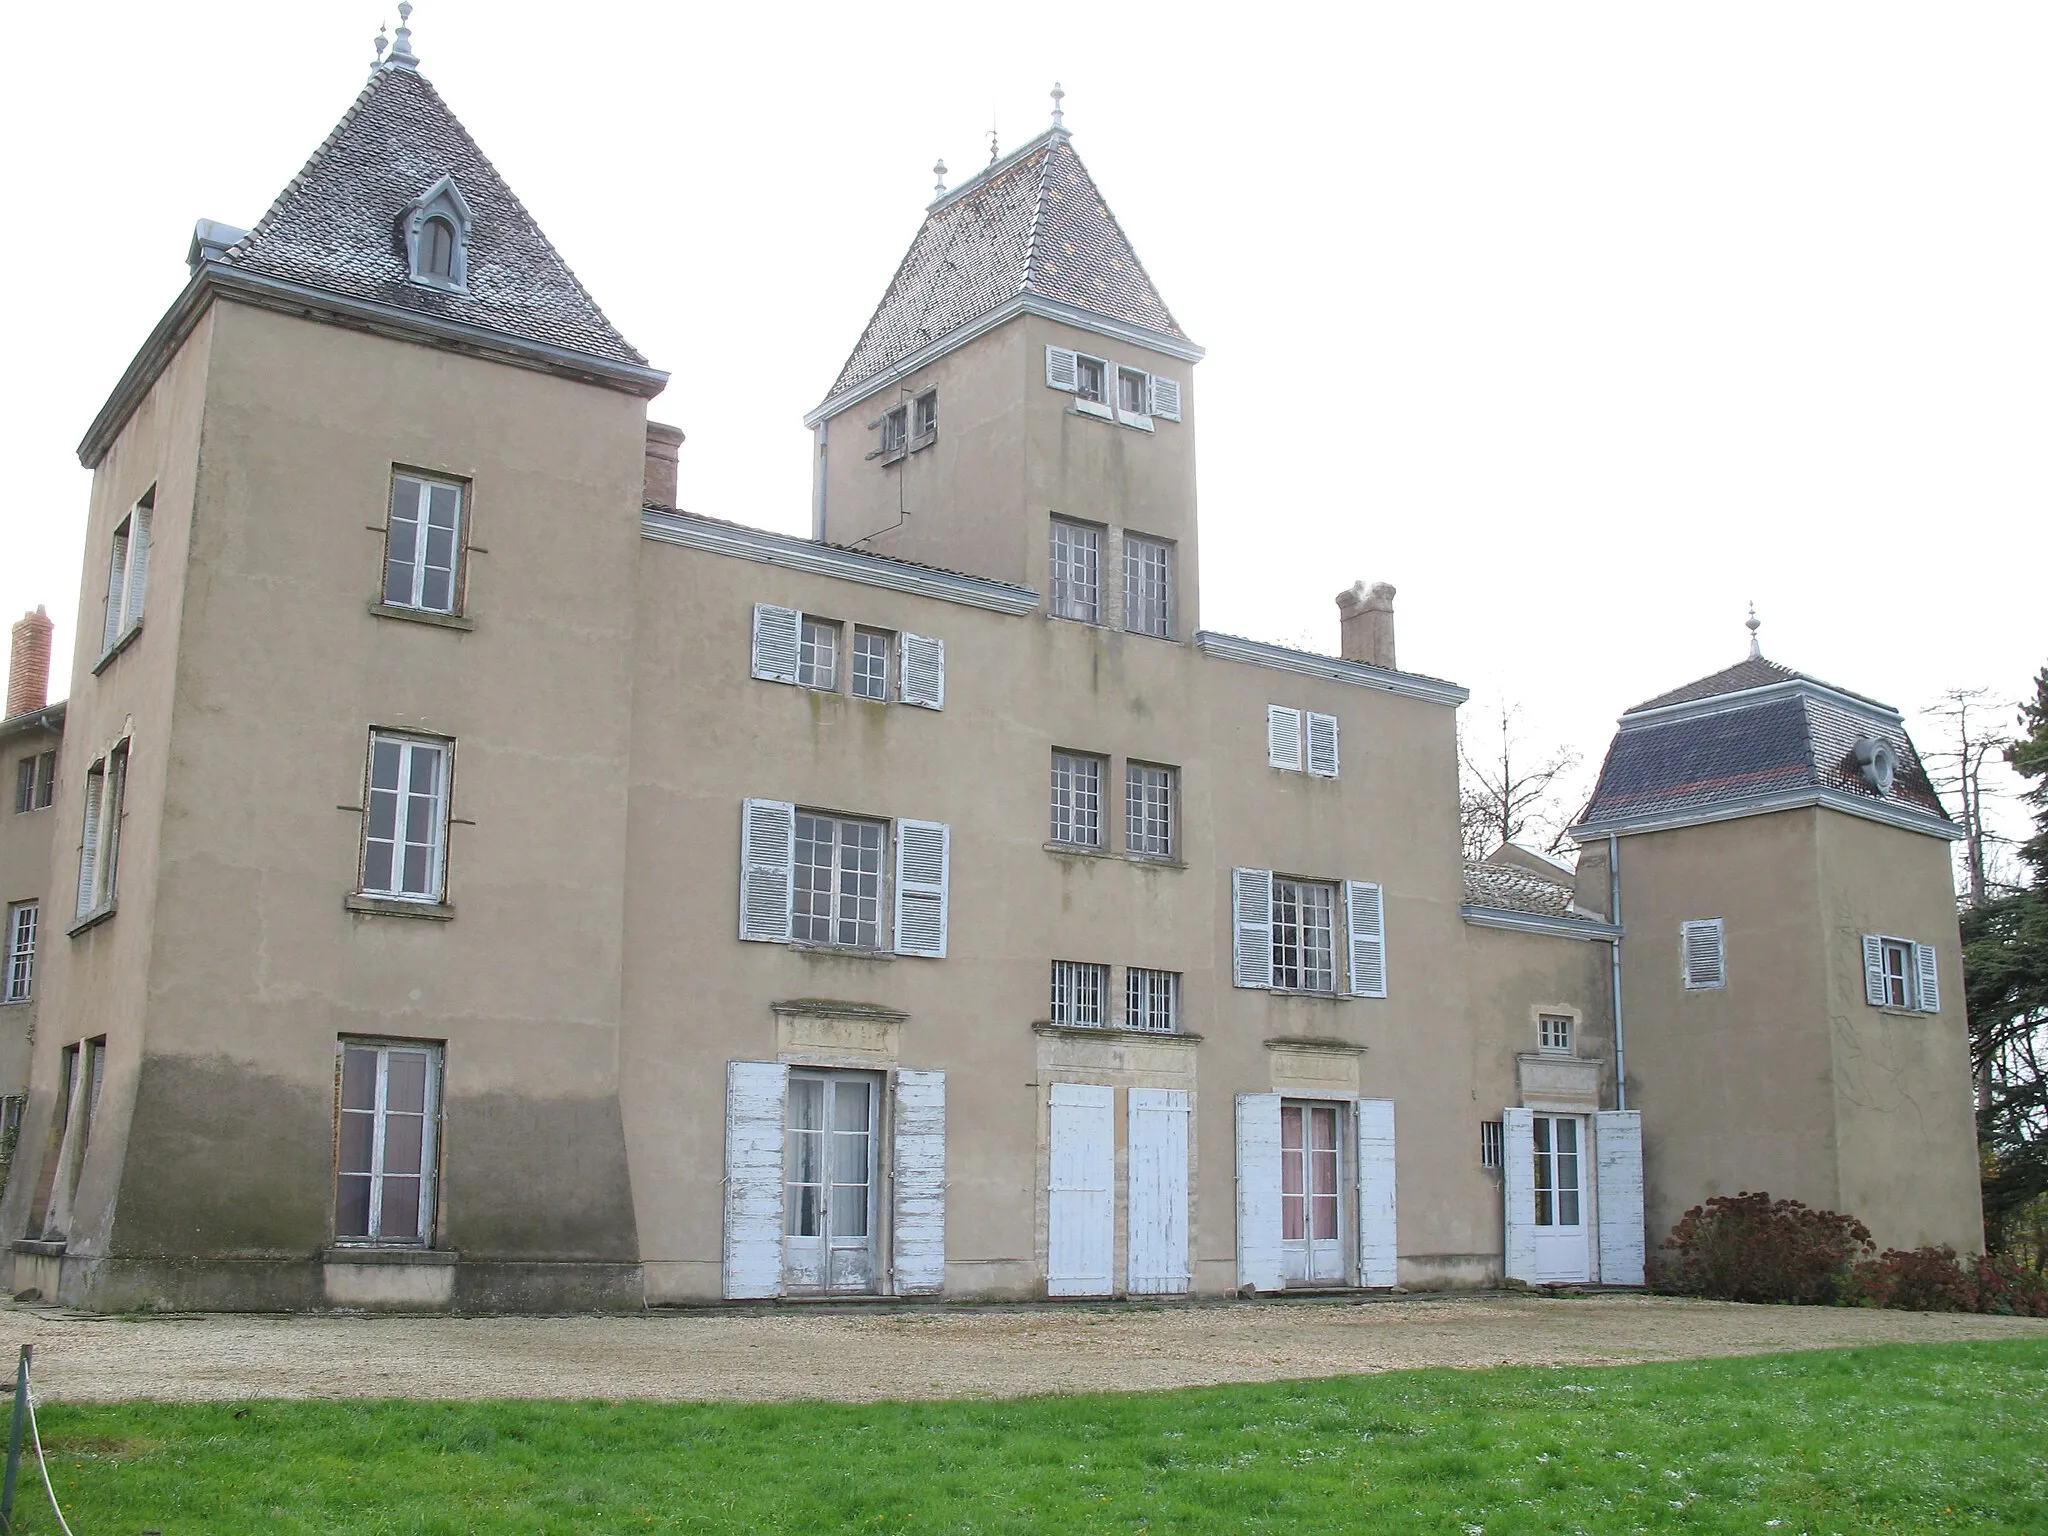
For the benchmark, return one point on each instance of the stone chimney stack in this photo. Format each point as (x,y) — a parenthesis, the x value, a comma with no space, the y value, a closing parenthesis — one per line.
(28,663)
(664,447)
(1366,616)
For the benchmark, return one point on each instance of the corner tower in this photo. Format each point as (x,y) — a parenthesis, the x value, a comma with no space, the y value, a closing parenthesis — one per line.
(1021,367)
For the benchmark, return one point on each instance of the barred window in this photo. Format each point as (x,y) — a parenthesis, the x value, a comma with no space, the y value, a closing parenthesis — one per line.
(1152,1000)
(838,898)
(818,658)
(1076,571)
(1149,794)
(1080,993)
(1148,586)
(1491,1142)
(1304,929)
(1077,799)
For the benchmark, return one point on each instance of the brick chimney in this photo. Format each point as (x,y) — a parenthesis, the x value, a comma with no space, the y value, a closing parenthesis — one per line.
(28,663)
(664,447)
(1366,616)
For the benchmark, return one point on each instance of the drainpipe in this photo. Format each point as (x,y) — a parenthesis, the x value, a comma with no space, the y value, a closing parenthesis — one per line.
(1614,952)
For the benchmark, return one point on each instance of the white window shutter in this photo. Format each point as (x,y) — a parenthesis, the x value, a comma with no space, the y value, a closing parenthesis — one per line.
(921,670)
(117,589)
(918,1183)
(1157,1195)
(1322,745)
(767,869)
(1518,1192)
(777,642)
(923,851)
(1283,737)
(1062,369)
(1259,1262)
(1251,922)
(1365,911)
(138,564)
(1873,970)
(1703,957)
(1928,973)
(89,846)
(1080,1192)
(1618,1168)
(1166,398)
(754,1093)
(1378,1245)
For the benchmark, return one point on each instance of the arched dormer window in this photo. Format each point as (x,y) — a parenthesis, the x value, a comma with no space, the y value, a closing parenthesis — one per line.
(435,227)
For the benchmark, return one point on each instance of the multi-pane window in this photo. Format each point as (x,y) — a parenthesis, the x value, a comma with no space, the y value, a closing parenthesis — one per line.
(99,850)
(1148,586)
(1080,993)
(35,781)
(1557,1170)
(870,664)
(924,418)
(817,663)
(829,1157)
(128,572)
(1492,1143)
(838,881)
(1077,799)
(1152,1000)
(405,823)
(1554,1033)
(1091,380)
(1309,1162)
(1076,571)
(895,428)
(18,982)
(1898,973)
(1131,394)
(385,1143)
(1304,935)
(423,545)
(1148,810)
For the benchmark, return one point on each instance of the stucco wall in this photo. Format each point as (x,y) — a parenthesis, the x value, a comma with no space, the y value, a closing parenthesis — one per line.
(27,840)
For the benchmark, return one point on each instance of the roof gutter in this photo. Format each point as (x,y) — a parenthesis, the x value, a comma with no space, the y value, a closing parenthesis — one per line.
(1903,817)
(50,717)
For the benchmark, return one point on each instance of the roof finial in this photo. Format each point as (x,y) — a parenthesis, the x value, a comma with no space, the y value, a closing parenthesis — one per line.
(994,150)
(939,173)
(380,44)
(402,56)
(1059,118)
(1753,624)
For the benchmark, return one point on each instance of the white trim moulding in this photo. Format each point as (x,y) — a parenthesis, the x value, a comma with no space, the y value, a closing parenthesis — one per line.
(1826,799)
(1331,668)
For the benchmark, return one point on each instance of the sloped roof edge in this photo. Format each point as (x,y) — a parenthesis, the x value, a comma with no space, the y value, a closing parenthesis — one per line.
(1889,812)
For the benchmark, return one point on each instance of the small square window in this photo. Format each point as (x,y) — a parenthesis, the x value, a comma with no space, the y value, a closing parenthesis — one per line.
(1091,380)
(818,660)
(1080,993)
(871,664)
(1077,799)
(1554,1034)
(1492,1143)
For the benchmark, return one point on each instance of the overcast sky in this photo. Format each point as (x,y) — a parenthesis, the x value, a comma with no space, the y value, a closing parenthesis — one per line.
(1583,325)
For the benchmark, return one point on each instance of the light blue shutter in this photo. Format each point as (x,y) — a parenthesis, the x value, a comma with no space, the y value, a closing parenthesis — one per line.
(1518,1192)
(1378,1245)
(1062,369)
(1259,1258)
(1166,398)
(918,1182)
(754,1095)
(1928,971)
(1618,1172)
(921,670)
(1873,970)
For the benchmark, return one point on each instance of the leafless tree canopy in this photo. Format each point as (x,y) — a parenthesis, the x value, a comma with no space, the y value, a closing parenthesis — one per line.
(1511,789)
(1956,769)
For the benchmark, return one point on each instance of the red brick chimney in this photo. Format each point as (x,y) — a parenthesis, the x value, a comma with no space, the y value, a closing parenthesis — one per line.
(28,663)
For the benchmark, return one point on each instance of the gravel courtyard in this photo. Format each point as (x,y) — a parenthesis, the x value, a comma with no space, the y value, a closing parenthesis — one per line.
(943,1352)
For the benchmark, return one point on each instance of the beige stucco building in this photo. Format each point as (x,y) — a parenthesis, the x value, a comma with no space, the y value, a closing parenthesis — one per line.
(485,884)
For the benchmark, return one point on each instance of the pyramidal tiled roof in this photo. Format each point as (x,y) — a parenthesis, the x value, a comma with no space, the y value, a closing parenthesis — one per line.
(335,227)
(1032,224)
(1750,672)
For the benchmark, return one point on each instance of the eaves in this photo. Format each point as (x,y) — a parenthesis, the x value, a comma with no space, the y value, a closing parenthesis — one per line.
(1583,929)
(1330,668)
(1887,812)
(49,718)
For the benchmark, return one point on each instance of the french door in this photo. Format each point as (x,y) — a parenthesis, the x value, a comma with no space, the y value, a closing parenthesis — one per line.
(1311,1199)
(829,1206)
(1560,1194)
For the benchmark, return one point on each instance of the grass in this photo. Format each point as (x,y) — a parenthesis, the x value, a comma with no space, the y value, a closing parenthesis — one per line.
(1907,1438)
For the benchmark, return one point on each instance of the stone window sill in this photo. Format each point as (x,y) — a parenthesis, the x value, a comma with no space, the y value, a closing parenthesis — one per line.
(91,920)
(385,906)
(838,951)
(423,616)
(1091,408)
(16,1002)
(121,643)
(1114,1031)
(343,1253)
(1318,997)
(48,1248)
(1079,850)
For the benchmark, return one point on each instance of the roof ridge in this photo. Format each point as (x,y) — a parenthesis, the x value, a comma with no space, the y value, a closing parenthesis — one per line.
(1028,282)
(304,173)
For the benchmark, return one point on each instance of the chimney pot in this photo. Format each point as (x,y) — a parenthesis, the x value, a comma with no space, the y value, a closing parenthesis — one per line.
(1366,617)
(28,663)
(664,447)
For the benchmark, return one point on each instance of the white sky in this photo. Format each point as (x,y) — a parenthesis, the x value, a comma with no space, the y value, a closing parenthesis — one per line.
(1582,324)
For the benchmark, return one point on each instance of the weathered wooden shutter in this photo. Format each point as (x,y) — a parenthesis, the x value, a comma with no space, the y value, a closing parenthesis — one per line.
(1157,1201)
(1322,745)
(1062,369)
(921,670)
(1251,924)
(777,642)
(89,847)
(117,589)
(1378,1240)
(1518,1192)
(1873,970)
(138,565)
(754,1095)
(1283,737)
(767,869)
(1365,911)
(1080,1198)
(1259,1261)
(923,852)
(1618,1168)
(918,1182)
(1700,942)
(1928,972)
(1166,398)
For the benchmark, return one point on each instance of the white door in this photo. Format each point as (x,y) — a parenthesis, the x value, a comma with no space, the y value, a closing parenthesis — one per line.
(1560,1197)
(1157,1199)
(828,1235)
(1311,1214)
(1080,1193)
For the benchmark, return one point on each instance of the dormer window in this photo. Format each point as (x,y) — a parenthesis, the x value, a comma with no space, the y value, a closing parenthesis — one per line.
(435,229)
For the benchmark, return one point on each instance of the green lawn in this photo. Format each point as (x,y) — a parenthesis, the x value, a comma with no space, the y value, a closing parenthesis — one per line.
(1909,1438)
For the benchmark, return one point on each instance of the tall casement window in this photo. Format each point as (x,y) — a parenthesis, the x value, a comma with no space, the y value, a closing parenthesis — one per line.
(1077,799)
(423,545)
(405,817)
(99,849)
(128,572)
(1152,1000)
(1304,935)
(1149,795)
(1148,586)
(35,782)
(838,896)
(1900,973)
(1076,571)
(1556,1140)
(18,980)
(386,1141)
(817,664)
(815,877)
(1080,993)
(1283,933)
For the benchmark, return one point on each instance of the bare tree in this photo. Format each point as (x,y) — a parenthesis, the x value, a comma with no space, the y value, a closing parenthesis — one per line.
(1509,788)
(1958,769)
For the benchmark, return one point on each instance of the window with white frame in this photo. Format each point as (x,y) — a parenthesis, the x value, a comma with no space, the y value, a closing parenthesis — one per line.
(1492,1143)
(99,852)
(1080,993)
(35,782)
(1077,799)
(871,664)
(19,982)
(1702,954)
(1901,973)
(423,544)
(1133,397)
(1091,381)
(837,898)
(405,817)
(1152,1000)
(128,572)
(1148,586)
(1149,795)
(818,658)
(386,1143)
(1076,571)
(924,419)
(1554,1034)
(895,425)
(790,646)
(1304,935)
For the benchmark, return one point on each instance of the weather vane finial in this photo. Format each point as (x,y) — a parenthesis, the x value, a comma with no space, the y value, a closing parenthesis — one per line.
(939,172)
(1753,624)
(994,150)
(380,44)
(402,56)
(1059,118)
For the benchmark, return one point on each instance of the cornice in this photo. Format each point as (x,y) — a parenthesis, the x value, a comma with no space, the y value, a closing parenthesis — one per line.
(1330,668)
(1583,929)
(1892,815)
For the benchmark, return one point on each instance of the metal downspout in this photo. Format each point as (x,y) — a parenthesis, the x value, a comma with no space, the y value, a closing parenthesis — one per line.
(1614,953)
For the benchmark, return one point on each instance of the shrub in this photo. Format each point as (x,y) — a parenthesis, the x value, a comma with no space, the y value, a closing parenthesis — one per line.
(2008,1287)
(1749,1247)
(1913,1280)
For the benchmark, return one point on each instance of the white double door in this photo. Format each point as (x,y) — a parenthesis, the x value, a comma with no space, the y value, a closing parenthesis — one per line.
(1558,1194)
(829,1204)
(1081,1191)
